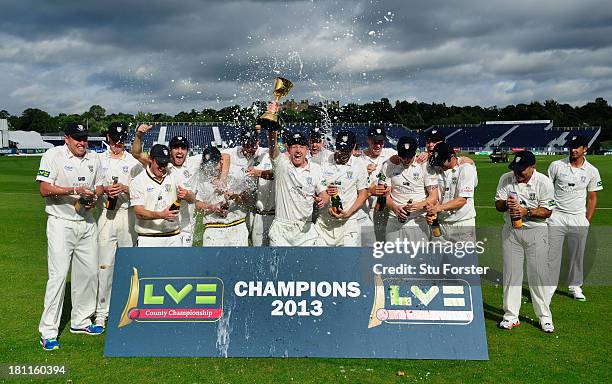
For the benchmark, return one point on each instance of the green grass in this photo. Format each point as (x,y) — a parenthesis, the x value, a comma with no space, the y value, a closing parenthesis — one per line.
(578,352)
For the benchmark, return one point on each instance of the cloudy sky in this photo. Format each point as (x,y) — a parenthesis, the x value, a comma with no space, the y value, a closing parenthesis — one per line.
(167,56)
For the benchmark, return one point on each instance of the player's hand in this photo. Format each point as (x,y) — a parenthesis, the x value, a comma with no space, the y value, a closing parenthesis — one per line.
(382,189)
(168,215)
(143,128)
(432,209)
(253,172)
(318,201)
(181,192)
(115,190)
(400,212)
(273,106)
(371,168)
(421,158)
(332,190)
(221,209)
(338,213)
(522,211)
(413,206)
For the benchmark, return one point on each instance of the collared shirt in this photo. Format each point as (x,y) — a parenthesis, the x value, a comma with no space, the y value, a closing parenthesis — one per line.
(62,168)
(123,170)
(350,179)
(295,188)
(537,192)
(460,181)
(155,196)
(321,158)
(409,183)
(572,184)
(238,159)
(237,182)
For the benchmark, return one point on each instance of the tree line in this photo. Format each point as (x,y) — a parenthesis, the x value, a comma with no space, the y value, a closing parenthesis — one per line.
(414,115)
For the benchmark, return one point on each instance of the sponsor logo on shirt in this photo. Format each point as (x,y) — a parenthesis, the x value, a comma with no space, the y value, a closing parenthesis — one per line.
(599,184)
(68,168)
(551,203)
(81,178)
(43,173)
(150,189)
(532,196)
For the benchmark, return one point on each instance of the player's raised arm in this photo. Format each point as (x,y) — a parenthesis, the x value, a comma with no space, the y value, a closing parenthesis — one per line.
(137,145)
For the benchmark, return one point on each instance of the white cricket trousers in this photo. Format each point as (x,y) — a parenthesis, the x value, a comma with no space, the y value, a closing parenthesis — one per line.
(259,226)
(162,241)
(287,233)
(339,233)
(373,226)
(115,229)
(70,242)
(233,235)
(532,244)
(414,230)
(464,230)
(574,228)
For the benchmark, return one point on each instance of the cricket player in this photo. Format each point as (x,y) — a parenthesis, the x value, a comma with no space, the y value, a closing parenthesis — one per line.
(156,197)
(116,220)
(527,199)
(298,181)
(318,152)
(254,161)
(575,180)
(67,178)
(456,185)
(224,209)
(345,176)
(413,187)
(183,167)
(374,223)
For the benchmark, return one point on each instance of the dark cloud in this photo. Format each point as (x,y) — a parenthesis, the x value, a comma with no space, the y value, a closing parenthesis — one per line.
(162,56)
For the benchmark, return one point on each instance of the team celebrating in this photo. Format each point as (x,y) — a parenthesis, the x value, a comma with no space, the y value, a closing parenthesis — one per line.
(305,195)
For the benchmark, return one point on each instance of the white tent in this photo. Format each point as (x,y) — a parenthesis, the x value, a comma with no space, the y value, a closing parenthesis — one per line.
(28,140)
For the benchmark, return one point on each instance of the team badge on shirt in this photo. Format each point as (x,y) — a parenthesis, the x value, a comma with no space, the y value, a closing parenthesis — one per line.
(167,186)
(349,175)
(583,179)
(90,168)
(125,169)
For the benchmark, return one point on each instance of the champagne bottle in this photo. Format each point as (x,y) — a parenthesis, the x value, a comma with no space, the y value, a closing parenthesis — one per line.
(515,217)
(176,205)
(381,201)
(435,226)
(336,203)
(111,202)
(407,214)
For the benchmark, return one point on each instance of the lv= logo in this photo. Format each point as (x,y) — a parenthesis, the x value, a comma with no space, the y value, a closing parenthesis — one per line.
(421,301)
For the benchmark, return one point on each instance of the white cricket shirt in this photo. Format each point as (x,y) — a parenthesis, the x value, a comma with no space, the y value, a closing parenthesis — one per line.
(572,184)
(155,196)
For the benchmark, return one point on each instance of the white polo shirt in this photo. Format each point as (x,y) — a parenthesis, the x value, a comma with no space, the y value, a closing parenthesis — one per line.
(123,170)
(155,196)
(572,184)
(385,154)
(460,181)
(409,182)
(266,189)
(321,158)
(185,176)
(238,159)
(62,168)
(295,188)
(350,179)
(537,192)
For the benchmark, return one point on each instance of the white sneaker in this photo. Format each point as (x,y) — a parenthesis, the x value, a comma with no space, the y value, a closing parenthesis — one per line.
(576,293)
(507,324)
(547,327)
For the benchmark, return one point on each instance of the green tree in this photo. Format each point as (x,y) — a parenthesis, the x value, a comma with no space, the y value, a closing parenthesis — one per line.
(33,119)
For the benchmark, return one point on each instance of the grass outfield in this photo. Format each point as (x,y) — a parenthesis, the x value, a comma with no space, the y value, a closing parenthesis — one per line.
(579,351)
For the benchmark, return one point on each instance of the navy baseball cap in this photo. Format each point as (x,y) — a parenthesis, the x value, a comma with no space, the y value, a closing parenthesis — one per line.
(294,138)
(248,136)
(377,133)
(441,153)
(211,155)
(578,141)
(179,141)
(160,153)
(316,133)
(434,136)
(117,132)
(406,147)
(76,131)
(345,141)
(522,160)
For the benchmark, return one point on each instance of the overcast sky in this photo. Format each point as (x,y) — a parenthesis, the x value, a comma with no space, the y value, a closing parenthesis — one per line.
(166,56)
